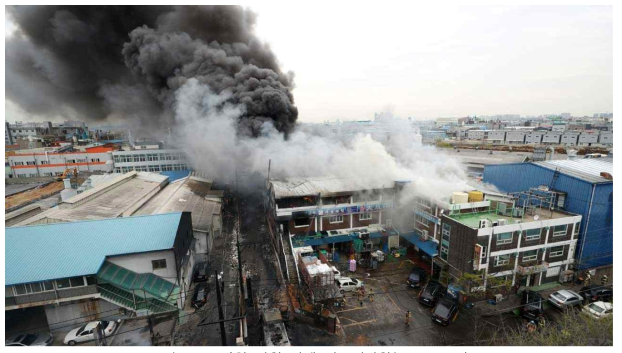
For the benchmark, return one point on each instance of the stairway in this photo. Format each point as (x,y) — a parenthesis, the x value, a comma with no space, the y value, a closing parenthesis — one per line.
(292,271)
(125,299)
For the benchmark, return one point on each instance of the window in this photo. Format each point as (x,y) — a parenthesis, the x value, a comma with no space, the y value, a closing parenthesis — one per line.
(422,220)
(47,174)
(81,160)
(18,163)
(152,157)
(302,222)
(556,251)
(158,264)
(530,255)
(30,163)
(504,238)
(559,231)
(117,170)
(140,158)
(445,241)
(97,159)
(117,159)
(336,219)
(577,226)
(70,161)
(484,252)
(423,202)
(37,287)
(502,260)
(154,168)
(44,162)
(532,234)
(365,216)
(70,282)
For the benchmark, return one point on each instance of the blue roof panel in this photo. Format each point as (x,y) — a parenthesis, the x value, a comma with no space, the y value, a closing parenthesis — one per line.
(60,250)
(428,246)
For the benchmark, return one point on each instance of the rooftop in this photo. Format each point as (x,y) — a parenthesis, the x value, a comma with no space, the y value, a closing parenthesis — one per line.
(119,196)
(61,250)
(472,219)
(587,169)
(191,194)
(296,187)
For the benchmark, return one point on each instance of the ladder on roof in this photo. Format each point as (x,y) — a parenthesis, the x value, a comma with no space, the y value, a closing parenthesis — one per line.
(554,179)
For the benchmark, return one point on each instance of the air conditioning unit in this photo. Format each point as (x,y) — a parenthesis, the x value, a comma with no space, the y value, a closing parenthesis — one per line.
(503,222)
(484,223)
(424,235)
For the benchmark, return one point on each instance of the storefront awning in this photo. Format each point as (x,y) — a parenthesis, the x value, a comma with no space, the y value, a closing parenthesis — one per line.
(427,246)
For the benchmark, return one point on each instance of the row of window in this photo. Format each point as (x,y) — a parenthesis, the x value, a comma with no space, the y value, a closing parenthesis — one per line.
(67,161)
(152,168)
(422,220)
(305,222)
(152,157)
(48,286)
(534,234)
(445,237)
(531,255)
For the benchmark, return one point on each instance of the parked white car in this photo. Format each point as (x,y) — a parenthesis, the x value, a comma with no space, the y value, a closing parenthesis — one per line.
(336,272)
(598,310)
(347,284)
(87,332)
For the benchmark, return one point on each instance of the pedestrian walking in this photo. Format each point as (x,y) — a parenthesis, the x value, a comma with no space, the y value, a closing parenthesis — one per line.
(408,316)
(588,279)
(371,295)
(603,280)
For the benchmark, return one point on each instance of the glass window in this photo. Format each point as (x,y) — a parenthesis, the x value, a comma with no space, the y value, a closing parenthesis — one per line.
(20,289)
(77,281)
(302,222)
(577,226)
(556,251)
(335,219)
(484,252)
(504,238)
(560,230)
(530,255)
(48,285)
(91,280)
(502,260)
(532,234)
(158,264)
(63,283)
(365,216)
(36,287)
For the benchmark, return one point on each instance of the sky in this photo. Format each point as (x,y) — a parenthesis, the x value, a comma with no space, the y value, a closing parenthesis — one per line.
(422,62)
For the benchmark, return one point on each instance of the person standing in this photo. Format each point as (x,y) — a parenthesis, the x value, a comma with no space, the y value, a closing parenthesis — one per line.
(408,316)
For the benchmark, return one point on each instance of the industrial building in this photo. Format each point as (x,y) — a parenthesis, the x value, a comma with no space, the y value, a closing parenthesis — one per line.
(54,162)
(588,187)
(155,160)
(85,269)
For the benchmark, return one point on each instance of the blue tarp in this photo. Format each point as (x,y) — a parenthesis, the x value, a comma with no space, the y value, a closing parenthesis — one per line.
(429,247)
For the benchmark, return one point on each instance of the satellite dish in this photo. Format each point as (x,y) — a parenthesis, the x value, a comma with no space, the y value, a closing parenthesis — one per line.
(536,217)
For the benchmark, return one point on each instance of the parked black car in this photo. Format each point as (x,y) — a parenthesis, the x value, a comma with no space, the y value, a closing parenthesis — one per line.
(200,296)
(201,272)
(532,305)
(596,293)
(417,277)
(445,311)
(431,293)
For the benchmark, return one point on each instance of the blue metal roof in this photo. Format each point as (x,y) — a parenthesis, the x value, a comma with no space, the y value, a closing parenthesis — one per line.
(60,250)
(429,247)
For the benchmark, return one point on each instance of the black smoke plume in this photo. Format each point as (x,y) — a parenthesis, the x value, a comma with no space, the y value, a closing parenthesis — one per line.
(128,62)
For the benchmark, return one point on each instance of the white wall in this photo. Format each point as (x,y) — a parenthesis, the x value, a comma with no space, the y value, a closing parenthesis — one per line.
(141,263)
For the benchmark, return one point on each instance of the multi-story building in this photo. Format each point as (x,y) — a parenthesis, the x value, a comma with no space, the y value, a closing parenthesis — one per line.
(517,137)
(149,161)
(552,137)
(588,138)
(534,137)
(477,134)
(606,138)
(588,185)
(8,136)
(570,138)
(85,269)
(510,238)
(496,136)
(53,162)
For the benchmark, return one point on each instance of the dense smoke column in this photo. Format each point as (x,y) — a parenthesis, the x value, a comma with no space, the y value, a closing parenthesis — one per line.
(123,60)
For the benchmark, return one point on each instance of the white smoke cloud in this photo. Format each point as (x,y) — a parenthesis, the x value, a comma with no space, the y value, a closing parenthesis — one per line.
(209,135)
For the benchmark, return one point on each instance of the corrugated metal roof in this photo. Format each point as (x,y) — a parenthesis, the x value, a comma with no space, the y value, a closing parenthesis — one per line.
(587,169)
(295,187)
(60,250)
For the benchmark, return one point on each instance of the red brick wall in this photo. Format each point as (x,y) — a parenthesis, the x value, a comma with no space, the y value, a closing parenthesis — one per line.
(375,218)
(326,225)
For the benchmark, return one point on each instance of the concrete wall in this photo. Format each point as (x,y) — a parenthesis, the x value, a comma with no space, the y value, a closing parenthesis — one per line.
(570,138)
(515,137)
(66,316)
(52,164)
(534,137)
(141,263)
(585,139)
(606,138)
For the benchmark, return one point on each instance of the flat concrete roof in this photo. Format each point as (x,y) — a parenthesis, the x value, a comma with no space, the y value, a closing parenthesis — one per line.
(472,220)
(326,186)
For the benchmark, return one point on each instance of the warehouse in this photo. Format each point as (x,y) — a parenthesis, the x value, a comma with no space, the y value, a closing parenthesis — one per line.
(588,188)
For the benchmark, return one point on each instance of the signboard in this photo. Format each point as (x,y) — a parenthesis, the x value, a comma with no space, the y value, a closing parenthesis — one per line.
(544,267)
(477,256)
(336,211)
(428,217)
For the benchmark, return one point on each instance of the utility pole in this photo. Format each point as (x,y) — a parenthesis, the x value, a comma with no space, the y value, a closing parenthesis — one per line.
(242,296)
(223,337)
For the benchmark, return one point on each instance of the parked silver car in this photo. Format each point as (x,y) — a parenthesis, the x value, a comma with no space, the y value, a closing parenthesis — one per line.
(565,299)
(30,339)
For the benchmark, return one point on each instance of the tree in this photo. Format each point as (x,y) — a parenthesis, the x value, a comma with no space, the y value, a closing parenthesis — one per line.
(569,329)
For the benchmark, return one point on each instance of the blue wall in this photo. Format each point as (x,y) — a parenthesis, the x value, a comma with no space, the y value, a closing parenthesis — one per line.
(595,245)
